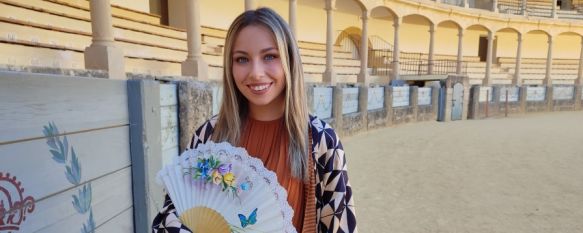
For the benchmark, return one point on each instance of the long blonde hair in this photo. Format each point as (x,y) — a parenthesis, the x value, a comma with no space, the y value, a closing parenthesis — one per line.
(234,108)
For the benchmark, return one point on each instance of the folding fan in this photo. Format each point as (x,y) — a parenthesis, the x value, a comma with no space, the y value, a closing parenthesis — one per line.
(220,188)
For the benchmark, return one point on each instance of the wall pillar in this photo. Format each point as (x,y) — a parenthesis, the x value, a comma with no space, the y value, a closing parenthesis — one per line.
(194,65)
(389,104)
(523,7)
(329,76)
(103,54)
(495,5)
(460,47)
(466,4)
(548,80)
(293,17)
(430,59)
(579,80)
(363,105)
(250,5)
(522,98)
(396,50)
(338,98)
(414,102)
(517,80)
(362,77)
(487,80)
(554,10)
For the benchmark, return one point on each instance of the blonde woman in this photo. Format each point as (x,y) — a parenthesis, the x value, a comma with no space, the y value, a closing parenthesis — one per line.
(264,110)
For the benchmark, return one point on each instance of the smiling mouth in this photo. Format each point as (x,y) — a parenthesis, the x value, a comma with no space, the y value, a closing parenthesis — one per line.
(260,88)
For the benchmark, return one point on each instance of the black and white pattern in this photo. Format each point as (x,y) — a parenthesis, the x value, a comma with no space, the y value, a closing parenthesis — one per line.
(334,202)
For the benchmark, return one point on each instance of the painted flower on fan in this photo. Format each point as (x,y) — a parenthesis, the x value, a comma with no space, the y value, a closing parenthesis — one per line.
(229,179)
(225,168)
(217,177)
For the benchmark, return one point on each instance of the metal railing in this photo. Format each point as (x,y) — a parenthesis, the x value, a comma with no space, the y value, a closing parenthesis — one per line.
(380,61)
(511,7)
(421,67)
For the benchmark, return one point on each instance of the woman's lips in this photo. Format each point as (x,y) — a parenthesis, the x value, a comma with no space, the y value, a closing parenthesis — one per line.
(260,88)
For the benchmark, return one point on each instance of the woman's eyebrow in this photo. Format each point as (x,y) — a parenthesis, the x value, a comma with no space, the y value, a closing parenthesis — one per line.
(240,51)
(267,49)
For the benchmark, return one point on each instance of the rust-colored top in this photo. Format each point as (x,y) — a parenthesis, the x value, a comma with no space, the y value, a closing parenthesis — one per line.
(268,141)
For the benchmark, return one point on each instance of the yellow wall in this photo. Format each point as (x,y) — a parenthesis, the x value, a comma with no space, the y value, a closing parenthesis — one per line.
(446,39)
(139,5)
(567,46)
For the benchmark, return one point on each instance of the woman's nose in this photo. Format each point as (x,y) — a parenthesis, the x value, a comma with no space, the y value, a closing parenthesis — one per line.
(257,69)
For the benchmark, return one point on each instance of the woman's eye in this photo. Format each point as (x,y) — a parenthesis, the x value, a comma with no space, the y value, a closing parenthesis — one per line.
(270,57)
(241,60)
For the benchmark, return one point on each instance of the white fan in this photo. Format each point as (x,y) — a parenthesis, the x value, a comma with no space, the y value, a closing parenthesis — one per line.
(220,188)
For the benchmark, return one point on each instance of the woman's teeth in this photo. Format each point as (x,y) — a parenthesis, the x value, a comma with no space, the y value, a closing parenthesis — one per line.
(260,88)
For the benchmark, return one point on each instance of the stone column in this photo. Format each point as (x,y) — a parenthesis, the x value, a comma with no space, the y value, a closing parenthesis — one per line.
(460,57)
(103,54)
(554,10)
(414,102)
(389,104)
(579,80)
(517,80)
(487,80)
(466,4)
(329,76)
(338,95)
(362,77)
(250,5)
(293,17)
(548,79)
(194,65)
(431,48)
(396,50)
(523,7)
(495,5)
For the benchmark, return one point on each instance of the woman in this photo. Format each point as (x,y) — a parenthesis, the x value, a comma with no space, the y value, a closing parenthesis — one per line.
(264,110)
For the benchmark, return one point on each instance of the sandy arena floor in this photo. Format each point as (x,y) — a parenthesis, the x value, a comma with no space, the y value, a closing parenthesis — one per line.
(522,174)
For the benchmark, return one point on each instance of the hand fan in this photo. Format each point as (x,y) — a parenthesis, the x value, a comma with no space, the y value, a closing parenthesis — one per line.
(220,188)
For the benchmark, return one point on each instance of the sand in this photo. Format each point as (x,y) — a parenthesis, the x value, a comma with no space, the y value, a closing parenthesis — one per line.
(522,174)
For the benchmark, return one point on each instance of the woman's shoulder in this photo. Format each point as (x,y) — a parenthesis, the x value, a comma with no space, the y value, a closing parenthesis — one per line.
(322,133)
(204,131)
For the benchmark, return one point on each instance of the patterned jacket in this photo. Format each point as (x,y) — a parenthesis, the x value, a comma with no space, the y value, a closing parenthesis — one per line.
(334,203)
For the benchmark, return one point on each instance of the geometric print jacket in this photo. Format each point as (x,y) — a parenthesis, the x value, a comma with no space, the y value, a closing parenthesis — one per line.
(334,202)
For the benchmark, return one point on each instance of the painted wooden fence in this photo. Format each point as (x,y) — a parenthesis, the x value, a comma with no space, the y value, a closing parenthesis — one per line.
(64,155)
(81,154)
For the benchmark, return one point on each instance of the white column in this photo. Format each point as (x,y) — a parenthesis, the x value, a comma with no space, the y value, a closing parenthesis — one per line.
(362,77)
(487,80)
(495,5)
(250,5)
(579,80)
(548,80)
(517,79)
(554,11)
(460,58)
(103,54)
(293,17)
(523,7)
(329,76)
(396,50)
(194,65)
(430,59)
(466,4)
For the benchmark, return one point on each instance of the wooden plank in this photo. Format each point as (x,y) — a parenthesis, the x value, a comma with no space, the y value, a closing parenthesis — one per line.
(30,101)
(168,95)
(122,223)
(99,152)
(111,195)
(169,154)
(146,149)
(169,137)
(168,116)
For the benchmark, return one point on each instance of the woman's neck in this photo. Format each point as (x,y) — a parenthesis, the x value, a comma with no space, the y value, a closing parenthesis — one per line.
(266,113)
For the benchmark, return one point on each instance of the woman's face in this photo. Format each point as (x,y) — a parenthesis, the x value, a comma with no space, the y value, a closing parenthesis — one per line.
(258,71)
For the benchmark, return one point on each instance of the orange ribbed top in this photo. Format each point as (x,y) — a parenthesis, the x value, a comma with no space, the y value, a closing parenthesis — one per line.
(268,141)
